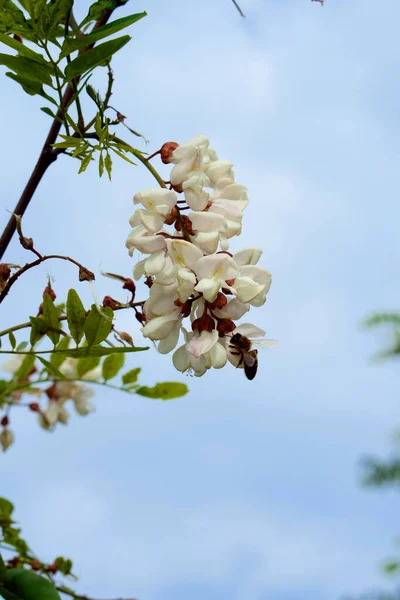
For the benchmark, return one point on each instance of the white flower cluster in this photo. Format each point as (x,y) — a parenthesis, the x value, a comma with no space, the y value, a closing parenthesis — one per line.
(57,396)
(189,270)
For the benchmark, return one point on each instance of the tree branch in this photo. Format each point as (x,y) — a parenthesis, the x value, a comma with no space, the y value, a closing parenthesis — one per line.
(47,155)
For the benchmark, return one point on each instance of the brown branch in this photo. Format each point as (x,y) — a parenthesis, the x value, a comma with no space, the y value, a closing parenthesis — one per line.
(47,155)
(84,274)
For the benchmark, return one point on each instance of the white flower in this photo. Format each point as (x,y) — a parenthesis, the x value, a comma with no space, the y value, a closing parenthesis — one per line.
(69,368)
(213,272)
(158,205)
(6,438)
(195,195)
(12,364)
(188,157)
(229,190)
(200,344)
(247,256)
(140,239)
(252,285)
(219,169)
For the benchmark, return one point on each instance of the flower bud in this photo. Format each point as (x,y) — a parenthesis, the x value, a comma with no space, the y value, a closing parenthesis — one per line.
(4,421)
(52,568)
(225,326)
(18,38)
(52,392)
(34,406)
(126,337)
(6,439)
(219,302)
(139,316)
(85,274)
(26,243)
(5,272)
(48,290)
(129,285)
(111,303)
(167,150)
(177,187)
(149,281)
(204,323)
(186,222)
(36,565)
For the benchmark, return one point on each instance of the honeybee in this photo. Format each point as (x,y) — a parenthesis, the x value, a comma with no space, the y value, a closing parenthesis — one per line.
(240,345)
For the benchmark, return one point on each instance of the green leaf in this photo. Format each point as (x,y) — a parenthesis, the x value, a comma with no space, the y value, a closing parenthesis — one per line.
(25,368)
(21,48)
(22,346)
(30,586)
(101,164)
(6,507)
(164,391)
(76,315)
(51,316)
(131,376)
(4,593)
(123,156)
(3,571)
(85,162)
(51,368)
(87,364)
(108,165)
(98,325)
(27,68)
(112,365)
(51,114)
(72,44)
(100,351)
(97,9)
(12,339)
(57,12)
(56,358)
(38,329)
(94,57)
(30,87)
(12,19)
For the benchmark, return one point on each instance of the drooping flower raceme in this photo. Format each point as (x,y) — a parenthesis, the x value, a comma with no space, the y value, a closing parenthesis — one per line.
(198,288)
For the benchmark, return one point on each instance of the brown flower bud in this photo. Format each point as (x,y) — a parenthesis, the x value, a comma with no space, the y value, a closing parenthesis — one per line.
(177,188)
(36,564)
(187,223)
(129,285)
(139,316)
(219,302)
(18,38)
(126,337)
(48,290)
(225,326)
(52,569)
(204,323)
(166,151)
(34,406)
(26,243)
(85,274)
(186,308)
(5,271)
(111,303)
(148,281)
(4,421)
(52,392)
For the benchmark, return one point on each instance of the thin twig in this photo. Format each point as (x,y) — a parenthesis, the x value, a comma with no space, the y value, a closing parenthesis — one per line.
(71,593)
(239,9)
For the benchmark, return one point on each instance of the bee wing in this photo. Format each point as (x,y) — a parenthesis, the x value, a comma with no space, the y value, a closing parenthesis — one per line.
(265,343)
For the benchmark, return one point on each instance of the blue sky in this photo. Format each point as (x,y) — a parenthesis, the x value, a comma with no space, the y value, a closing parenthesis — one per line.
(239,491)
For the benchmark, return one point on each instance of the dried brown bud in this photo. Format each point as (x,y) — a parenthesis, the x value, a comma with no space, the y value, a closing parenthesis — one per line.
(5,272)
(4,421)
(177,188)
(204,323)
(186,308)
(18,38)
(34,406)
(219,302)
(85,274)
(187,223)
(120,117)
(148,281)
(111,303)
(36,564)
(52,568)
(166,151)
(52,392)
(139,316)
(26,243)
(49,291)
(129,285)
(225,326)
(126,337)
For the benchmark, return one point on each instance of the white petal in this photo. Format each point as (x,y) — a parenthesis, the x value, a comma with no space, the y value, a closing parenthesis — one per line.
(183,254)
(155,263)
(181,359)
(233,310)
(218,170)
(209,288)
(168,344)
(218,356)
(200,344)
(138,269)
(206,221)
(159,327)
(208,242)
(247,256)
